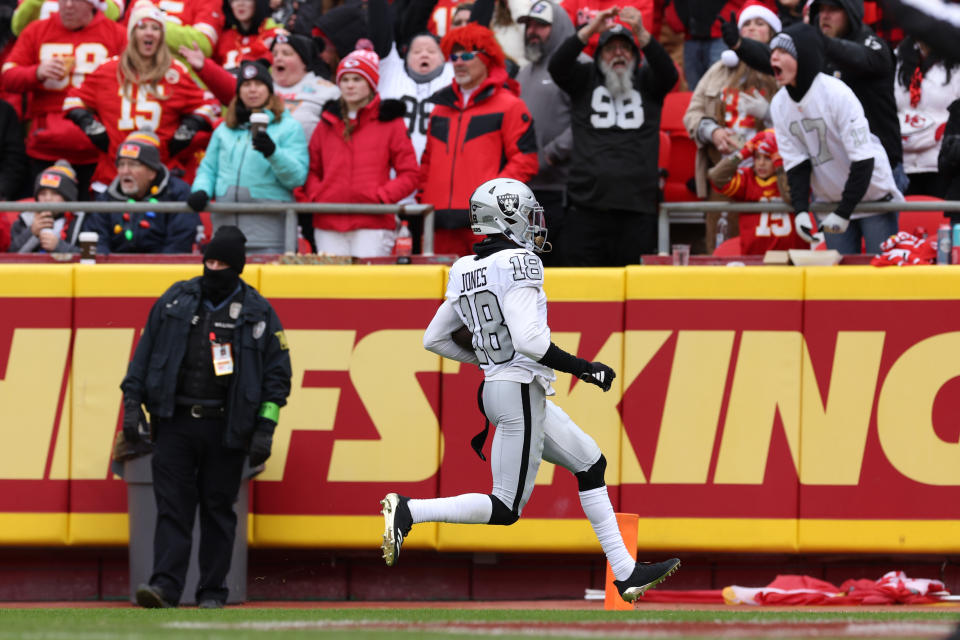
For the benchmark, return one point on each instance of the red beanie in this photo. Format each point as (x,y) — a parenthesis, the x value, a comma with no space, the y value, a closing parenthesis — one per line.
(364,63)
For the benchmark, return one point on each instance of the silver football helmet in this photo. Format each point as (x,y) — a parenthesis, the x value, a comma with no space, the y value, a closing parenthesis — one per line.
(507,206)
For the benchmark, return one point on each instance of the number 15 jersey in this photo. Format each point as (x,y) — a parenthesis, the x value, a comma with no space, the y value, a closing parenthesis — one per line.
(500,299)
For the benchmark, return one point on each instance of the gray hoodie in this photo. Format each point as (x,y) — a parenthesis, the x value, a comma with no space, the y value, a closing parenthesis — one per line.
(550,107)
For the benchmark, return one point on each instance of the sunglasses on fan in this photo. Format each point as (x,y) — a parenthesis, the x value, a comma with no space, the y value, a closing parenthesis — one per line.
(466,56)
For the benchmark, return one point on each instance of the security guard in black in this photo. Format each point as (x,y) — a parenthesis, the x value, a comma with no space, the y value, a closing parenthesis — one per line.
(213,369)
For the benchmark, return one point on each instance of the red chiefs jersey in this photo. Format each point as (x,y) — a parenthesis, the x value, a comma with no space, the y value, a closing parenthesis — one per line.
(233,48)
(45,39)
(102,94)
(762,232)
(441,17)
(206,16)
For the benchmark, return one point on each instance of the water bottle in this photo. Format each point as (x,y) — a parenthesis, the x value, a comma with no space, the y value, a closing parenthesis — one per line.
(723,229)
(956,244)
(199,239)
(403,247)
(943,244)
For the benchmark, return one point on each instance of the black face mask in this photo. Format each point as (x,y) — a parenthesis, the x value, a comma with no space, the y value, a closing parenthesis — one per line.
(218,284)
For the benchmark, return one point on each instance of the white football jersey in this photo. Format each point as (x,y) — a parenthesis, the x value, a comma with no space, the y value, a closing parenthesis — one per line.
(828,128)
(397,84)
(478,289)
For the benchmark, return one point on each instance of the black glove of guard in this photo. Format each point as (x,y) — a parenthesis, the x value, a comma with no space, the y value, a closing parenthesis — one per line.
(730,30)
(198,200)
(263,143)
(184,134)
(132,413)
(91,127)
(600,375)
(260,447)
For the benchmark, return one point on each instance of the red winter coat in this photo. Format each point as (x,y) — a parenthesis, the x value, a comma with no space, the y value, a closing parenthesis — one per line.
(492,137)
(358,170)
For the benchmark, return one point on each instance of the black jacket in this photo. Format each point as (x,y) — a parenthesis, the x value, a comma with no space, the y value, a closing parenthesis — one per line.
(151,232)
(613,167)
(13,156)
(863,61)
(261,359)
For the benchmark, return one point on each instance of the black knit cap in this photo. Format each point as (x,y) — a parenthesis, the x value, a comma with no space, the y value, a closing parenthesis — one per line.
(228,245)
(301,44)
(254,70)
(61,178)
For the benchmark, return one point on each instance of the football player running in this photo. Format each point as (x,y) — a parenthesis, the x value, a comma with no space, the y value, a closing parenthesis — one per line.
(495,316)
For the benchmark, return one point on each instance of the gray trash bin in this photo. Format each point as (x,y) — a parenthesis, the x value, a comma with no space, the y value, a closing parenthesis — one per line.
(142,508)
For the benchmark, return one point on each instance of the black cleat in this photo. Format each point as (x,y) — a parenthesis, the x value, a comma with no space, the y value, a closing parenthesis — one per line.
(645,576)
(150,597)
(397,523)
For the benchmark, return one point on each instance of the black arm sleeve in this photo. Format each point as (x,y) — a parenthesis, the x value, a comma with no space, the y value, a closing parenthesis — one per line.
(412,19)
(662,72)
(569,74)
(755,55)
(858,59)
(559,360)
(857,183)
(482,12)
(380,26)
(930,22)
(798,178)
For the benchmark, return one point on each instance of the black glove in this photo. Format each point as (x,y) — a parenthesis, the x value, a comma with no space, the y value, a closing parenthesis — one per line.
(132,415)
(91,127)
(189,126)
(949,159)
(730,30)
(260,447)
(198,200)
(264,144)
(600,375)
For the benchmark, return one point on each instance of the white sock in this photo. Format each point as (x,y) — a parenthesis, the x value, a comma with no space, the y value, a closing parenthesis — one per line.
(596,506)
(468,508)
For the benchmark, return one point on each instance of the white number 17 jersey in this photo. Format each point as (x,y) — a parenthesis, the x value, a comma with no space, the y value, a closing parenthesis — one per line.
(479,289)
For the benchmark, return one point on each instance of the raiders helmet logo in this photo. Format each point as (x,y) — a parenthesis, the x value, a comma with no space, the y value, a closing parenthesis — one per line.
(508,203)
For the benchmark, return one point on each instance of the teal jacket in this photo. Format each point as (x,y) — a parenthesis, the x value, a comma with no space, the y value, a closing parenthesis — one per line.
(231,164)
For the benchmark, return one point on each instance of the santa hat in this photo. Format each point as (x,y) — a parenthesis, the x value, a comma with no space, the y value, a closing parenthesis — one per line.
(473,37)
(363,63)
(99,5)
(145,10)
(756,9)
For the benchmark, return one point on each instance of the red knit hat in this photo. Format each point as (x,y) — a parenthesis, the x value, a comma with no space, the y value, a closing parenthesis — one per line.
(363,63)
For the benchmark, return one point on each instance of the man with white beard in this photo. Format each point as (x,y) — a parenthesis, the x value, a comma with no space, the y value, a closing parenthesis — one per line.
(615,118)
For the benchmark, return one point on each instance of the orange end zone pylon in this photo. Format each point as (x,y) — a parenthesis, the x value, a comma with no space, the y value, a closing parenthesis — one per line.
(627,523)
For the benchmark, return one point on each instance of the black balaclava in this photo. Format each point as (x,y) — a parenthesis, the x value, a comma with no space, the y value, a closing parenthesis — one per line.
(227,245)
(801,41)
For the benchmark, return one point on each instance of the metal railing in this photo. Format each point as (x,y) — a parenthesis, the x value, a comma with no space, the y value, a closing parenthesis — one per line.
(704,206)
(289,209)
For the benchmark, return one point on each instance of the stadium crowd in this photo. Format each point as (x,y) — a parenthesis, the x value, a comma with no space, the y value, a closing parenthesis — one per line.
(419,101)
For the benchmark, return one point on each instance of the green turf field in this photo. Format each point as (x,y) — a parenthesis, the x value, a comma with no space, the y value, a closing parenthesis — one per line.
(436,624)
